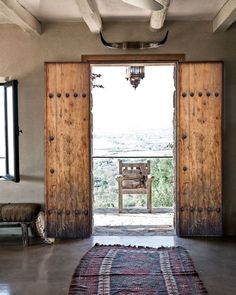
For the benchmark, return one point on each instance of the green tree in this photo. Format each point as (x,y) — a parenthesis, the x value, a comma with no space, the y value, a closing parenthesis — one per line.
(162,170)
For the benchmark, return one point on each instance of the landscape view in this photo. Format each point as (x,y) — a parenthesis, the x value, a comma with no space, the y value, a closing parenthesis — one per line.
(150,145)
(130,125)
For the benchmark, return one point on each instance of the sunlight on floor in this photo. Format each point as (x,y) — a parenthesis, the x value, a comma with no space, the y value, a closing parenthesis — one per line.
(142,219)
(133,223)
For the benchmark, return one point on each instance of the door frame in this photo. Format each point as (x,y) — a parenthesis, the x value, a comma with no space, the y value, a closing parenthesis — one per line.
(148,58)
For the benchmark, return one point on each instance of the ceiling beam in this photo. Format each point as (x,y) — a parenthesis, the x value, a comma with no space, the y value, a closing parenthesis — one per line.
(90,14)
(16,14)
(225,17)
(158,17)
(146,4)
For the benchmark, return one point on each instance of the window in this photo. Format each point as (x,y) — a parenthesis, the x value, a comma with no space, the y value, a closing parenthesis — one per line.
(9,132)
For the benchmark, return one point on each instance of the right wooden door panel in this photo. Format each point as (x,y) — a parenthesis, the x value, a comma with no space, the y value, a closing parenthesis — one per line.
(199,109)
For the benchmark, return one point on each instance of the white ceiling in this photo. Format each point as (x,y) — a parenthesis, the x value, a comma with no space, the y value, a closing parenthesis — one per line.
(4,19)
(29,14)
(67,10)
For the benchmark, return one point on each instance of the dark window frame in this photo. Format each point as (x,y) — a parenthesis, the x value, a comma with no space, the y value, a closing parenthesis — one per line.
(16,176)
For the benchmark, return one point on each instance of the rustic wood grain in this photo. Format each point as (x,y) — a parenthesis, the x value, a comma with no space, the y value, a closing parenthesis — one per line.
(118,58)
(199,180)
(50,148)
(67,192)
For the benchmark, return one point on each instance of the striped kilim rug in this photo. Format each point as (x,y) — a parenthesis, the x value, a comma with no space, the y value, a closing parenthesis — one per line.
(126,270)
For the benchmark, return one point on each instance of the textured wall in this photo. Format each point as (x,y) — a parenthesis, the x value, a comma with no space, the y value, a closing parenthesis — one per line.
(23,57)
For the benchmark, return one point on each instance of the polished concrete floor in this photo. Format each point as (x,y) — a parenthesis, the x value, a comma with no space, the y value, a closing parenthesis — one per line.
(47,269)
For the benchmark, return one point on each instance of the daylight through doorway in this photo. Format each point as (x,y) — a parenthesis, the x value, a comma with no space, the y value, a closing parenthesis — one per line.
(133,125)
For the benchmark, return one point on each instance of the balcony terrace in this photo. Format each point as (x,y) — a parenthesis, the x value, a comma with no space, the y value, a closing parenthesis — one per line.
(134,220)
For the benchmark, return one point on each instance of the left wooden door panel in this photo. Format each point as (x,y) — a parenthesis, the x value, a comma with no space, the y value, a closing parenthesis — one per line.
(67,150)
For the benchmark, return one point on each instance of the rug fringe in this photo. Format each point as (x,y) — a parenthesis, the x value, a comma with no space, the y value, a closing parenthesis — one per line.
(140,247)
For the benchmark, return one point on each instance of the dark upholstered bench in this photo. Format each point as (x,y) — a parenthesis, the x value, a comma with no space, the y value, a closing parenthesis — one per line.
(19,215)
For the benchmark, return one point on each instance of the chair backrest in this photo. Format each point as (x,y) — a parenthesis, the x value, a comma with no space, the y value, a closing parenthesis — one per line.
(134,168)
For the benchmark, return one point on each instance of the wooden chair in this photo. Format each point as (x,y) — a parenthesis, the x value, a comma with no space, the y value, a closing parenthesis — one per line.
(135,178)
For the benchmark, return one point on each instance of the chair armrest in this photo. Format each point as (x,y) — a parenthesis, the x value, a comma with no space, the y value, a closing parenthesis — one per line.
(150,178)
(119,178)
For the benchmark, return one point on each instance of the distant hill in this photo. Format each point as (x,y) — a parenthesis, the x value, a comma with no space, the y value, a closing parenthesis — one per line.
(139,143)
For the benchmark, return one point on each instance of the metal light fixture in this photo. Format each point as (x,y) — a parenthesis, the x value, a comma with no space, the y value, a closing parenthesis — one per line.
(135,74)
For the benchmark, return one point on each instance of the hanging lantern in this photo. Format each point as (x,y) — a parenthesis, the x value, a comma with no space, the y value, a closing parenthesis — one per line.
(135,74)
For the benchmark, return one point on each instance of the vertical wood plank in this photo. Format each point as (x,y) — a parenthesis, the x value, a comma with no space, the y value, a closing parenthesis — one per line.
(68,115)
(199,182)
(50,149)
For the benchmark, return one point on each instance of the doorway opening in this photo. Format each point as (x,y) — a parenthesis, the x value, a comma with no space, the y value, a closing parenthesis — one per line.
(133,124)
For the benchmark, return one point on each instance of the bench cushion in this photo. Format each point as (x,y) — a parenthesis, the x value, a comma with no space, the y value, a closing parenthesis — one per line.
(19,212)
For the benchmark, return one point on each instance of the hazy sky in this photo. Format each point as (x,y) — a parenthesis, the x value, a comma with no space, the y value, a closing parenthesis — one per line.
(119,107)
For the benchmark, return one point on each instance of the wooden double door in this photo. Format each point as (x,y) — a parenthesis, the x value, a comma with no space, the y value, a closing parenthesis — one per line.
(68,166)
